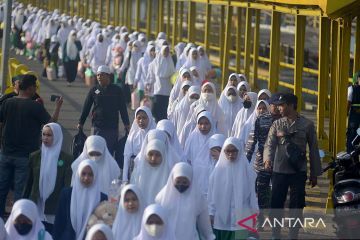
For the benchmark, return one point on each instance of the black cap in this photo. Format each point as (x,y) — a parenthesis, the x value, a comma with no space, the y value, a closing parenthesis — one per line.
(287,98)
(274,98)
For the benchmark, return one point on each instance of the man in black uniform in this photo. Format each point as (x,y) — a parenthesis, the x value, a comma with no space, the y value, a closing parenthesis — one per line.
(353,111)
(108,100)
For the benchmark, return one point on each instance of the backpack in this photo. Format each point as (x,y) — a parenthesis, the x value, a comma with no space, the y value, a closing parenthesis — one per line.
(78,143)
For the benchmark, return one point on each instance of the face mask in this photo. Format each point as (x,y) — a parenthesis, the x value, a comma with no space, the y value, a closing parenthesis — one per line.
(181,188)
(95,158)
(23,228)
(208,96)
(154,230)
(247,104)
(231,98)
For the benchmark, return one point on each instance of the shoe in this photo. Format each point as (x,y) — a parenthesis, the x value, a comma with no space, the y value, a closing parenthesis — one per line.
(69,84)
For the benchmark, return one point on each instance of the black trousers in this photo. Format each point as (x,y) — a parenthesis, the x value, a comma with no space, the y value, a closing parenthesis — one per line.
(160,105)
(280,185)
(263,191)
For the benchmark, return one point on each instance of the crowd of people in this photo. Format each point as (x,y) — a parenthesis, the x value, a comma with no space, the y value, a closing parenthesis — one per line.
(193,164)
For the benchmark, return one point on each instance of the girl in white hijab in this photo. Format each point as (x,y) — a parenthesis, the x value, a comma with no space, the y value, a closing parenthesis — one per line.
(183,90)
(182,108)
(159,74)
(142,69)
(197,139)
(98,53)
(231,105)
(193,59)
(231,193)
(182,59)
(186,205)
(78,203)
(95,149)
(152,170)
(209,102)
(24,222)
(264,94)
(243,87)
(233,81)
(179,48)
(244,113)
(132,64)
(127,222)
(49,171)
(100,231)
(168,127)
(204,59)
(206,161)
(155,224)
(71,56)
(143,122)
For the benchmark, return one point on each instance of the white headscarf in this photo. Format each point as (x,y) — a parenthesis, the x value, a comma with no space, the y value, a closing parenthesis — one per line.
(100,227)
(184,208)
(205,164)
(196,140)
(222,98)
(230,108)
(164,66)
(71,49)
(48,167)
(108,169)
(243,116)
(190,62)
(205,62)
(179,48)
(232,182)
(28,209)
(83,199)
(135,57)
(167,126)
(245,84)
(168,232)
(98,53)
(151,179)
(135,138)
(127,225)
(147,59)
(266,91)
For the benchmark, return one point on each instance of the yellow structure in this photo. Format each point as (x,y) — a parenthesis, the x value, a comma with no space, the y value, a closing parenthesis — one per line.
(231,31)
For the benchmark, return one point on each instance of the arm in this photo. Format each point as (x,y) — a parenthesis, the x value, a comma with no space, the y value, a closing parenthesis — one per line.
(315,163)
(270,147)
(203,223)
(87,106)
(138,72)
(58,104)
(211,205)
(250,145)
(123,110)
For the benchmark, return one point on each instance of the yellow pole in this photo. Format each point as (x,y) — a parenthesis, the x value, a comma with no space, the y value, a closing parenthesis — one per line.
(168,20)
(238,39)
(175,23)
(247,47)
(207,26)
(256,48)
(191,21)
(116,13)
(342,85)
(180,34)
(323,79)
(160,19)
(300,24)
(227,43)
(148,18)
(274,52)
(107,12)
(222,33)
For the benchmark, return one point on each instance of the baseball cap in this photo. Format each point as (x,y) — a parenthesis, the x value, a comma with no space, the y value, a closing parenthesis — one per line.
(274,98)
(103,69)
(287,98)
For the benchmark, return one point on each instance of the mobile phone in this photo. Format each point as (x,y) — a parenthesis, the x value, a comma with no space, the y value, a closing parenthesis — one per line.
(54,97)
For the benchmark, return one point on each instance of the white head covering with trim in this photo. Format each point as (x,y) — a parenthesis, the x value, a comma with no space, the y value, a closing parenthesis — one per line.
(100,227)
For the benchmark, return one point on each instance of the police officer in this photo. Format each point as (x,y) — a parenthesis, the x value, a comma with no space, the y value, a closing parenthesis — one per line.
(353,111)
(107,101)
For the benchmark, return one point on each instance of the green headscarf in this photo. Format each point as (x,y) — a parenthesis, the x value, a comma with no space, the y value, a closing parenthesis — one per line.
(355,77)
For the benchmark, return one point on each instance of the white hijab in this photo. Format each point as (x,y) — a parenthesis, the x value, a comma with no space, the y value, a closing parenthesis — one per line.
(147,59)
(243,115)
(48,167)
(100,227)
(182,109)
(164,66)
(182,58)
(205,164)
(190,62)
(245,84)
(71,49)
(196,140)
(168,127)
(108,169)
(204,60)
(230,108)
(28,209)
(84,199)
(151,179)
(168,232)
(222,98)
(232,182)
(183,208)
(127,225)
(175,91)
